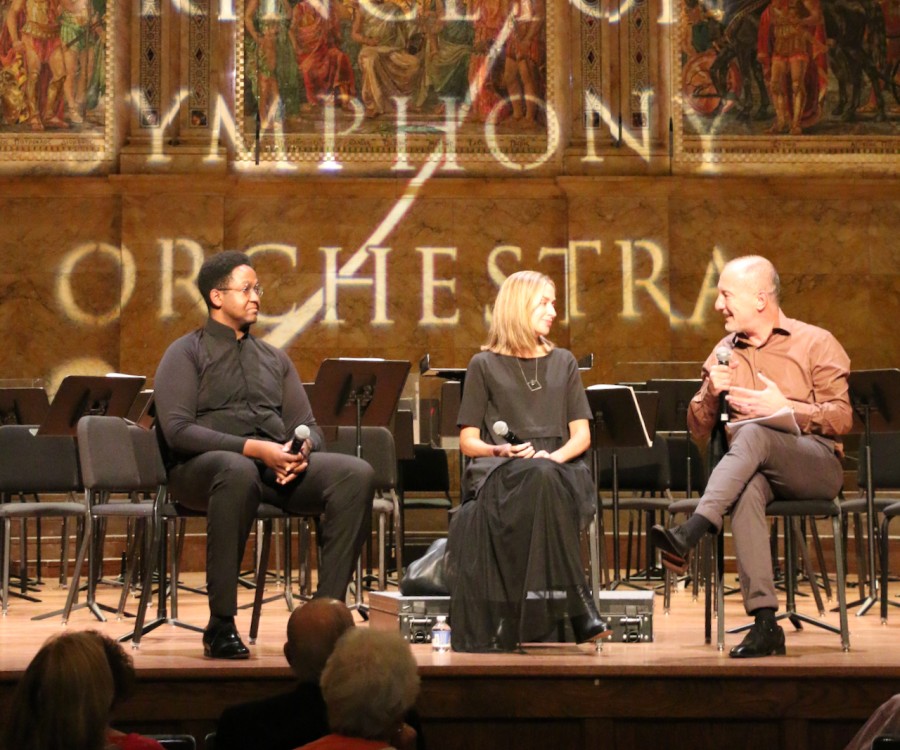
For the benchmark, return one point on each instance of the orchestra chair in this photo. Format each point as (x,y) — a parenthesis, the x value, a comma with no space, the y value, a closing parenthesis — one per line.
(889,513)
(378,450)
(267,514)
(646,474)
(885,485)
(424,484)
(791,511)
(31,464)
(109,467)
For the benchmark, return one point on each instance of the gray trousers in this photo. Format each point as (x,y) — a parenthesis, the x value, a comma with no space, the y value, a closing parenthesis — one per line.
(228,487)
(760,465)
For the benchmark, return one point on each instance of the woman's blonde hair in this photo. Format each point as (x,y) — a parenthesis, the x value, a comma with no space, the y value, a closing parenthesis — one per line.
(511,331)
(63,700)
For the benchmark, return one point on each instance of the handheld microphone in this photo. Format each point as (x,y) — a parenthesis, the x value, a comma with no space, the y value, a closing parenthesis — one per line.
(502,430)
(723,354)
(301,434)
(723,357)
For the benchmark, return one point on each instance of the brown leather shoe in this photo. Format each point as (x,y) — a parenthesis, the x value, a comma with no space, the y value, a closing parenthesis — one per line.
(674,549)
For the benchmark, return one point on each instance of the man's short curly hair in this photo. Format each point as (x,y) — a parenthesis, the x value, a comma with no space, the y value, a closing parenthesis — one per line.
(216,270)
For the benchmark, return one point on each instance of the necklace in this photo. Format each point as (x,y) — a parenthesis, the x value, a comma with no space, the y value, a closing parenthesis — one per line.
(534,384)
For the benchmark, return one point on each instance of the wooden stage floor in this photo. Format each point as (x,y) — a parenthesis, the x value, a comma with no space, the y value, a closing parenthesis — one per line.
(676,692)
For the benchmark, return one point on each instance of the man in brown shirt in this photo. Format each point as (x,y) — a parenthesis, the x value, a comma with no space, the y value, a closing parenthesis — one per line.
(775,363)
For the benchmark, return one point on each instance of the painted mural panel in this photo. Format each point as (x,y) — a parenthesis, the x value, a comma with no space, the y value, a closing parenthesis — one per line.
(789,76)
(55,82)
(374,77)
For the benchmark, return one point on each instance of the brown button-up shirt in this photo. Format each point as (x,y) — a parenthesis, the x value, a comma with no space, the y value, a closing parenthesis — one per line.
(807,363)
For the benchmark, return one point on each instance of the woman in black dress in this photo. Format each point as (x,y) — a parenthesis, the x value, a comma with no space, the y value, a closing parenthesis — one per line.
(514,557)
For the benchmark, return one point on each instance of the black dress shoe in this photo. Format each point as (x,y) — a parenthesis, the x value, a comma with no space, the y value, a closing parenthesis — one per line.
(506,637)
(587,625)
(671,540)
(761,640)
(673,546)
(223,642)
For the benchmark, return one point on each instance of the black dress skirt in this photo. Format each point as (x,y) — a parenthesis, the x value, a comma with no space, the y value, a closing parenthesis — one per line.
(514,552)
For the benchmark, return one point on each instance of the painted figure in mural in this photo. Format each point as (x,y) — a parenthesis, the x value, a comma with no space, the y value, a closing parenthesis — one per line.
(13,104)
(489,19)
(34,32)
(264,23)
(524,57)
(793,49)
(76,35)
(390,60)
(448,44)
(325,68)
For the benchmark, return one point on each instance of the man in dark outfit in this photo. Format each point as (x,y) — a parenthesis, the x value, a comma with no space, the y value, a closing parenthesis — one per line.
(227,405)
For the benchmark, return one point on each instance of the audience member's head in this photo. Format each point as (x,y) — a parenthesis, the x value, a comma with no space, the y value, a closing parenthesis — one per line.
(369,684)
(121,667)
(64,697)
(312,631)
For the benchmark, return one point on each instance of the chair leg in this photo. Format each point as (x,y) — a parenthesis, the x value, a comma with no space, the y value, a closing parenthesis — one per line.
(288,563)
(382,562)
(807,564)
(841,582)
(131,570)
(399,533)
(861,564)
(594,554)
(175,554)
(4,591)
(83,551)
(885,567)
(149,555)
(262,569)
(720,590)
(820,556)
(63,552)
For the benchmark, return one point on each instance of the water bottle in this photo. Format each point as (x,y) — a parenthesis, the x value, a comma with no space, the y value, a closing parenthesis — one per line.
(440,635)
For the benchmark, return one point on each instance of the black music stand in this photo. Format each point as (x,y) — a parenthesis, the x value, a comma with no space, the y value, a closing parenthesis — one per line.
(875,396)
(143,410)
(88,395)
(674,399)
(450,375)
(447,373)
(618,422)
(358,392)
(25,406)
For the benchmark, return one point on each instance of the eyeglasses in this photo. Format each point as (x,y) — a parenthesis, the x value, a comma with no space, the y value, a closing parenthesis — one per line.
(245,290)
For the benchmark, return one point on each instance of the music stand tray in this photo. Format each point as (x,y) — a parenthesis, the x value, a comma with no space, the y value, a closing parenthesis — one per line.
(23,405)
(620,417)
(81,395)
(447,373)
(361,392)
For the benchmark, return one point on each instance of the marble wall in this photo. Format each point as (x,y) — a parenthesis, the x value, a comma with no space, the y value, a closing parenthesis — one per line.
(97,272)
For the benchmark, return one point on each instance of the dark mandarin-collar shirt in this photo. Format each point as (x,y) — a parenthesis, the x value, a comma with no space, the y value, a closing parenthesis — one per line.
(213,391)
(807,363)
